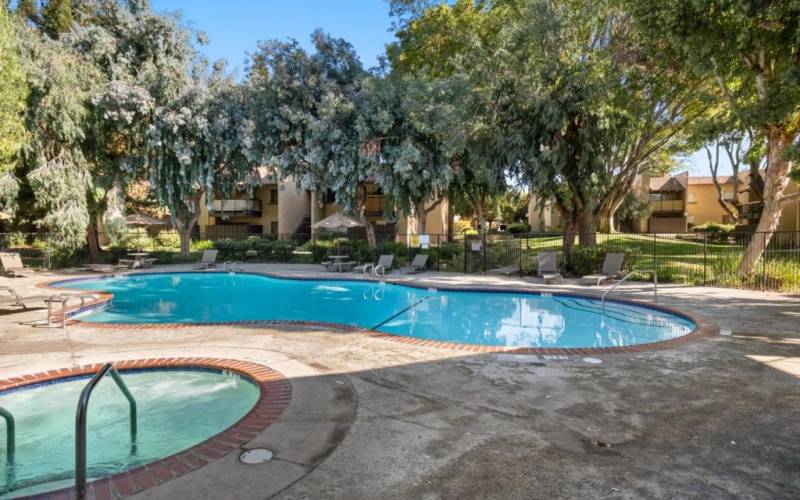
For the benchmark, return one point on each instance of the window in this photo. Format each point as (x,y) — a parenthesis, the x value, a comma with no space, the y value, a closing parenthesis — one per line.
(273,196)
(273,227)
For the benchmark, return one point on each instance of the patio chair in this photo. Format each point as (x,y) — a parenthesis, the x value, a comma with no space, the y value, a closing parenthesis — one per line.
(417,265)
(13,266)
(612,267)
(208,260)
(16,300)
(147,263)
(384,264)
(548,268)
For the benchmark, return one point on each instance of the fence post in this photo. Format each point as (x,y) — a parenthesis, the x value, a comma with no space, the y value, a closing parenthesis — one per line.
(655,254)
(764,264)
(466,247)
(439,252)
(705,259)
(483,250)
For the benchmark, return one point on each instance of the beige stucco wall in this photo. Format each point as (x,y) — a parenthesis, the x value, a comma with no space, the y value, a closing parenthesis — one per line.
(542,219)
(293,205)
(790,218)
(703,204)
(435,221)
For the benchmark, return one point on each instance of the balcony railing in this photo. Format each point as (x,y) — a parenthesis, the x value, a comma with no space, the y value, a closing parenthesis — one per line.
(237,208)
(666,206)
(751,212)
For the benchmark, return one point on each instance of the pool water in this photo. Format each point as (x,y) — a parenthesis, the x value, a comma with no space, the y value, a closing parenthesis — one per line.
(485,318)
(177,409)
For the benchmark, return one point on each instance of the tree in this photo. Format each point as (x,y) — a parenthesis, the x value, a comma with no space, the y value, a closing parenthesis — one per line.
(26,9)
(57,17)
(308,118)
(402,125)
(56,114)
(199,145)
(751,52)
(13,95)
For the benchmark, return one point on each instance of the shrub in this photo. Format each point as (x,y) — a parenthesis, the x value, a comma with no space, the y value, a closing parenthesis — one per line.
(200,245)
(717,233)
(519,228)
(168,240)
(282,250)
(588,260)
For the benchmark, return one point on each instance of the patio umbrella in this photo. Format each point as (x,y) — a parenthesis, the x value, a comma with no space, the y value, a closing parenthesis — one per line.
(143,220)
(337,222)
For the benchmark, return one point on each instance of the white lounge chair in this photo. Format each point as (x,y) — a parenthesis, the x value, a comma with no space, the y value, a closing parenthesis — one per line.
(384,264)
(13,266)
(16,300)
(417,265)
(612,267)
(548,267)
(208,260)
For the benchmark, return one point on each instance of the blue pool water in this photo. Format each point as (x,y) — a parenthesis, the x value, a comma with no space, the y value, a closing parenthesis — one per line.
(167,400)
(497,319)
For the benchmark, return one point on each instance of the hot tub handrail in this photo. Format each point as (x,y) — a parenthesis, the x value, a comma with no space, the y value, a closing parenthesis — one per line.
(10,434)
(80,423)
(618,283)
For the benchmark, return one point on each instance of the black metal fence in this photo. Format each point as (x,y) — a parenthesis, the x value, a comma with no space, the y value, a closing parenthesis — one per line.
(689,258)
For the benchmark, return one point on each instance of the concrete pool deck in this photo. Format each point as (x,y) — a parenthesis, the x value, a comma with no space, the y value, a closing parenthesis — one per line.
(714,418)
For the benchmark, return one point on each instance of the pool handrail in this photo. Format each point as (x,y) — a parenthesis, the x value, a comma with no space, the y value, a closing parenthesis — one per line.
(80,423)
(618,283)
(10,435)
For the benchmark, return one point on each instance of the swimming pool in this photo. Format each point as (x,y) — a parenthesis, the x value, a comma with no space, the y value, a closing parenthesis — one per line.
(167,398)
(512,320)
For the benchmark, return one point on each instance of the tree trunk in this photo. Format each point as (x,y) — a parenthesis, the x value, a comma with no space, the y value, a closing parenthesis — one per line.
(570,230)
(92,239)
(480,215)
(588,228)
(775,182)
(420,215)
(186,226)
(186,239)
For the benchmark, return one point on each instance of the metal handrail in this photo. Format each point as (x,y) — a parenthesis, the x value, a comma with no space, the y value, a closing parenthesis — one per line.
(64,299)
(618,283)
(80,423)
(10,434)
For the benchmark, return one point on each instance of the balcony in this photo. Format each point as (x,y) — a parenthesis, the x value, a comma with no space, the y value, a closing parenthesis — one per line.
(666,206)
(750,213)
(236,208)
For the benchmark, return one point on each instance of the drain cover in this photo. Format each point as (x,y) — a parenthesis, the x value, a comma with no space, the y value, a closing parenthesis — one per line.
(593,361)
(256,456)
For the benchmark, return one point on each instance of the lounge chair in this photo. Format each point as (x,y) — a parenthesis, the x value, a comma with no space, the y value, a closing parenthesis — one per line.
(13,266)
(548,267)
(384,264)
(612,267)
(147,263)
(417,265)
(16,300)
(208,260)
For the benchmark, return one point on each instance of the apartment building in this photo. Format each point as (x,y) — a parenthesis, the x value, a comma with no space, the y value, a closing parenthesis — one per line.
(682,201)
(279,208)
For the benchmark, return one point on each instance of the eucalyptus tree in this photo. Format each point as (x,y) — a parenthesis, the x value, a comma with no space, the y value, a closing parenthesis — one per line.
(308,118)
(750,50)
(143,59)
(200,144)
(56,168)
(404,123)
(13,94)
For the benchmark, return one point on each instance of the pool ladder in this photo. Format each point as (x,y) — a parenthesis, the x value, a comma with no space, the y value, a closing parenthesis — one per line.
(80,423)
(618,283)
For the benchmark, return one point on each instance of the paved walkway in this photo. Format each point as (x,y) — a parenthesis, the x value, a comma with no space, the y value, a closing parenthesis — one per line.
(370,418)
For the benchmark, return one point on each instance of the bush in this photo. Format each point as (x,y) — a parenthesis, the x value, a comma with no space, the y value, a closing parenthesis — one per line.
(519,228)
(168,240)
(589,260)
(717,233)
(282,250)
(200,245)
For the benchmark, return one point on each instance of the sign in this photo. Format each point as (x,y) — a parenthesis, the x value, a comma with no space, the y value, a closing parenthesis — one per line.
(476,246)
(424,241)
(414,241)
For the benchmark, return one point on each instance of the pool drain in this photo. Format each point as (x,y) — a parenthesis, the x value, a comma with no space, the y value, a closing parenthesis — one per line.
(255,456)
(593,361)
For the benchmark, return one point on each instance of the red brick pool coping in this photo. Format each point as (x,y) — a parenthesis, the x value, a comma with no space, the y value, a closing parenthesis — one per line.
(275,395)
(702,329)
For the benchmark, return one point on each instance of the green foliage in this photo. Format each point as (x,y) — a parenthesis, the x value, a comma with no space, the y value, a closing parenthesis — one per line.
(519,228)
(717,233)
(57,17)
(282,250)
(589,259)
(13,95)
(201,245)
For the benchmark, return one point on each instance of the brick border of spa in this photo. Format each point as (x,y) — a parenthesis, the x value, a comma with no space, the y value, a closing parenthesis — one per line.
(702,327)
(275,395)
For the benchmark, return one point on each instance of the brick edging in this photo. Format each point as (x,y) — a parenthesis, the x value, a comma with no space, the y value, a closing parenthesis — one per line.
(275,393)
(702,329)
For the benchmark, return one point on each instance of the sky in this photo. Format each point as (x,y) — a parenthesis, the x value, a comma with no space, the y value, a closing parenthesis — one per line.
(235,27)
